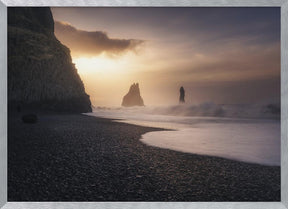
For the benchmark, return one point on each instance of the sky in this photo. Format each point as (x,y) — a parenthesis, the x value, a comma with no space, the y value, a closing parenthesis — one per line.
(220,55)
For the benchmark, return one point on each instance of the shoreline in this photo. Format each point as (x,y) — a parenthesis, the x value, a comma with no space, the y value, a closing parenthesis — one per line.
(83,158)
(163,139)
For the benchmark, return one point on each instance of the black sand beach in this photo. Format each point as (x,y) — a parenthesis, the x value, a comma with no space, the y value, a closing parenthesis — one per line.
(82,158)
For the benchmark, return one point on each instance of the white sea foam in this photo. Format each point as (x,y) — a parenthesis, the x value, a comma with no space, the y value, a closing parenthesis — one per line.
(251,142)
(206,109)
(238,132)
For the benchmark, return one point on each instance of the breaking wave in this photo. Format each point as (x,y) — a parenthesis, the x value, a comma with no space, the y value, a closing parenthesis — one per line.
(269,111)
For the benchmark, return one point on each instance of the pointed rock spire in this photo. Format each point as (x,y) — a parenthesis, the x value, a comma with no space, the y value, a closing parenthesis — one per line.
(133,97)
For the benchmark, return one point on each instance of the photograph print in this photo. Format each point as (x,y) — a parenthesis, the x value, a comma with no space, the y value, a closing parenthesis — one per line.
(144,104)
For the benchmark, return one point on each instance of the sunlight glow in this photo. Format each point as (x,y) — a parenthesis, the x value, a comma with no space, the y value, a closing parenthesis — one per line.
(100,64)
(112,75)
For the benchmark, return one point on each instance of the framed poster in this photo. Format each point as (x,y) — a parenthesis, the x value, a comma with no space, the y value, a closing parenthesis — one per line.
(144,104)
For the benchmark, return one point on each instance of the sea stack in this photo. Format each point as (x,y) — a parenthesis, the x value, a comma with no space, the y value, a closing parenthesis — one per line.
(133,97)
(41,74)
(182,95)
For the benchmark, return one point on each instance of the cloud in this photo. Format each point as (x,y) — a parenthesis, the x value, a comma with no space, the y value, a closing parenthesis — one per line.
(226,63)
(93,43)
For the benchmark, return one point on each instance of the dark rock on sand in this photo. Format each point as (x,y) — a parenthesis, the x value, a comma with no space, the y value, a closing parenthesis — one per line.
(30,118)
(133,97)
(40,69)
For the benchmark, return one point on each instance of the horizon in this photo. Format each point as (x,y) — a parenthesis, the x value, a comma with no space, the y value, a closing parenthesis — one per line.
(219,55)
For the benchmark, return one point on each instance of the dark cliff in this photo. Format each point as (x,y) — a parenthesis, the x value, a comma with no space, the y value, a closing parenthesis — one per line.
(133,97)
(40,69)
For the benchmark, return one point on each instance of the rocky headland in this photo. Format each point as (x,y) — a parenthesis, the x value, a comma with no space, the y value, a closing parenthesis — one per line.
(41,74)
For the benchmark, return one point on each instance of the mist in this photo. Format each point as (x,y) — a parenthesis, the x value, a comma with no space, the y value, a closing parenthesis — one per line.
(219,55)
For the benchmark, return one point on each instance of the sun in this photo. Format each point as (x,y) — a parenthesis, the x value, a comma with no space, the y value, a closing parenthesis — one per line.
(100,64)
(105,66)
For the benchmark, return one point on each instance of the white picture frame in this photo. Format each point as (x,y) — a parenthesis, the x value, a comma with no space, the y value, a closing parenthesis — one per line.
(136,3)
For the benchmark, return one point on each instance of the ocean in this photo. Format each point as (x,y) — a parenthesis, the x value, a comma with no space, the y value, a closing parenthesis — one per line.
(248,133)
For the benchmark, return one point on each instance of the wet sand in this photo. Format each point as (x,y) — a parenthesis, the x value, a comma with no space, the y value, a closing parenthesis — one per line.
(82,158)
